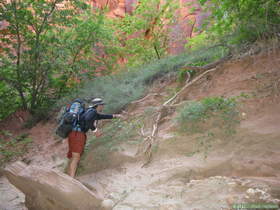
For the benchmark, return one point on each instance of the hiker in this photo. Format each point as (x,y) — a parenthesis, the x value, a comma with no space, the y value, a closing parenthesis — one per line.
(77,138)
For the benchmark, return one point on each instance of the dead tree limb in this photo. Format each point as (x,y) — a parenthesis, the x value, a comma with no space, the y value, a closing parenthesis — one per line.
(150,140)
(188,78)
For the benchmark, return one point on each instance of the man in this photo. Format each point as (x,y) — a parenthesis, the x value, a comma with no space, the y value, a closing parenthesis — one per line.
(77,139)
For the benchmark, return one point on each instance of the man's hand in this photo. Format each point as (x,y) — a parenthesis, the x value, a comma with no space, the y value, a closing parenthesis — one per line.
(98,133)
(119,116)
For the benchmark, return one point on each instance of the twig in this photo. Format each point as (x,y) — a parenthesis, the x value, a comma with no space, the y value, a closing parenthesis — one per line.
(122,198)
(142,131)
(188,78)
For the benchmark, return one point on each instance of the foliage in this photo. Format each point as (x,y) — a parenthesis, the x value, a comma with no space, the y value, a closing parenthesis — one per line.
(213,112)
(120,89)
(242,21)
(211,54)
(198,42)
(45,47)
(50,47)
(13,147)
(144,34)
(9,101)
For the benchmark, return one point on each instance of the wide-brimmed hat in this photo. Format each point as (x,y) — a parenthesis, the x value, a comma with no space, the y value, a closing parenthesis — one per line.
(97,101)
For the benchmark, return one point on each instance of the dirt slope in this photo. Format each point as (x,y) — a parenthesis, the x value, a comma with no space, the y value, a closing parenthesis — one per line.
(235,166)
(242,168)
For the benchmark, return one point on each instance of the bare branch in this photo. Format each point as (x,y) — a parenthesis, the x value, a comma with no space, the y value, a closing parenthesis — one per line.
(150,140)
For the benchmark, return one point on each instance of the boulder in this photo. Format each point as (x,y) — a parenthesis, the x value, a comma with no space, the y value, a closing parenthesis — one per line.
(47,189)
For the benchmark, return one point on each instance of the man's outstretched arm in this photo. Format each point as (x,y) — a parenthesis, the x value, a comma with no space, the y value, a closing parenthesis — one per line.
(100,116)
(108,116)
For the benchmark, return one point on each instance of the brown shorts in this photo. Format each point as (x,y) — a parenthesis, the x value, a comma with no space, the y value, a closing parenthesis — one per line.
(76,143)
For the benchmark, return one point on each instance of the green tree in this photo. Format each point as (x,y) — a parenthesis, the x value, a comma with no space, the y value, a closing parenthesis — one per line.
(144,34)
(46,44)
(243,21)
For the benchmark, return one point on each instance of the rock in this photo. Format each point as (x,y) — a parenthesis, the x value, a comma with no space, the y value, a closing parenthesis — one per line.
(107,204)
(46,189)
(251,191)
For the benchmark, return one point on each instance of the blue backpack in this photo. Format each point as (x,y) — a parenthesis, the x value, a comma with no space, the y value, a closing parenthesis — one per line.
(71,119)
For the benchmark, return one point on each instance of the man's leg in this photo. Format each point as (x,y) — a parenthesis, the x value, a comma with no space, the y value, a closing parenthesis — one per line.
(73,164)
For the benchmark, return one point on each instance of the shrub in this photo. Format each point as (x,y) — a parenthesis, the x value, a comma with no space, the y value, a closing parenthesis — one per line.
(13,147)
(120,89)
(210,112)
(9,101)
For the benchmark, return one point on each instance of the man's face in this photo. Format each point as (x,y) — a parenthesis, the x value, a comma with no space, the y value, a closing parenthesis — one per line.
(99,108)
